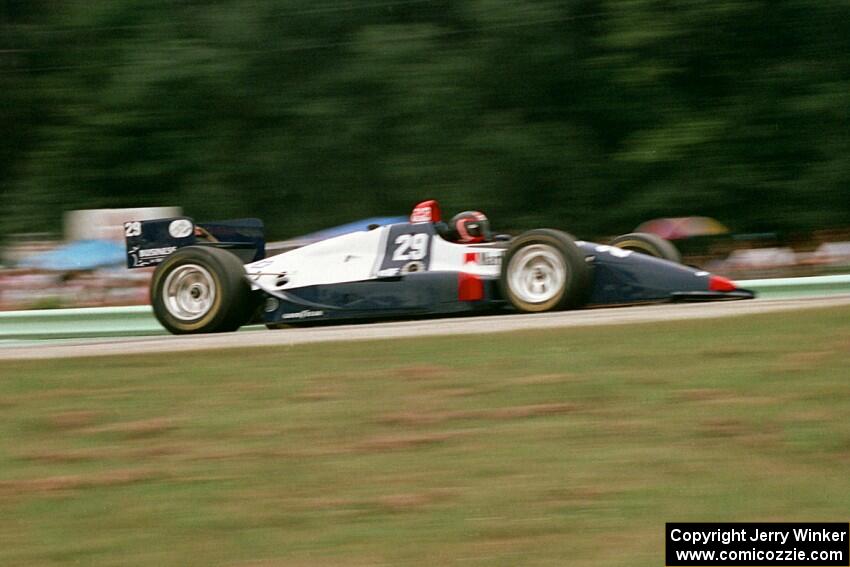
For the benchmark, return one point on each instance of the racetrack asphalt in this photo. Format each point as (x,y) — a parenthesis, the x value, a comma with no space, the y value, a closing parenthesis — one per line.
(73,348)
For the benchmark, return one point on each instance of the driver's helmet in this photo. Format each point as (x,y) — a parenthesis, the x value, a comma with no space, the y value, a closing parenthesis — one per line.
(470,227)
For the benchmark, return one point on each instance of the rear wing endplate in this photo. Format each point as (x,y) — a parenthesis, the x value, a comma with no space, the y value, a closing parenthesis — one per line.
(149,242)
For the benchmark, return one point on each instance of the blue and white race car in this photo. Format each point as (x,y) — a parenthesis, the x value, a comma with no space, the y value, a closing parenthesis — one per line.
(215,277)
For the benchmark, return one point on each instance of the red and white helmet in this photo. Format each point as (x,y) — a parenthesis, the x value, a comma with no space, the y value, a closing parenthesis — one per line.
(470,227)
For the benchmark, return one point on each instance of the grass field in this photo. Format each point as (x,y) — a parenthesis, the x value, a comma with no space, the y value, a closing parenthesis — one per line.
(541,448)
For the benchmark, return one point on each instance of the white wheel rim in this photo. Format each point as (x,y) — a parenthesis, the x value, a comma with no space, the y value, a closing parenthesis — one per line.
(189,292)
(537,273)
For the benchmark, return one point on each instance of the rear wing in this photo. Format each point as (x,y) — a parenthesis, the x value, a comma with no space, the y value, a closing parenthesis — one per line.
(149,242)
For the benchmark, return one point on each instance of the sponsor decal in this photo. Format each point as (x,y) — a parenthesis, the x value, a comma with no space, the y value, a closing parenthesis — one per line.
(488,258)
(156,252)
(134,256)
(426,211)
(422,213)
(148,257)
(306,314)
(180,228)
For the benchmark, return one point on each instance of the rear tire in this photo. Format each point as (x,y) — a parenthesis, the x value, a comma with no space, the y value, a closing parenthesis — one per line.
(200,289)
(649,244)
(543,270)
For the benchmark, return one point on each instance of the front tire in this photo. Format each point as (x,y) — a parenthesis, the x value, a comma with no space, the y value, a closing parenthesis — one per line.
(649,244)
(201,289)
(543,270)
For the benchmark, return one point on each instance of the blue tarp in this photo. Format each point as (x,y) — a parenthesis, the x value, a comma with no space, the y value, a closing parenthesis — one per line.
(79,255)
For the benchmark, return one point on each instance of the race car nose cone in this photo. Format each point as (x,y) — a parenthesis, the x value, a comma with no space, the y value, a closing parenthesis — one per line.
(719,283)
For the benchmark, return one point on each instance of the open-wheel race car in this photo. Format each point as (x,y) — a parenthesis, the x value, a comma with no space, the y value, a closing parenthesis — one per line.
(215,277)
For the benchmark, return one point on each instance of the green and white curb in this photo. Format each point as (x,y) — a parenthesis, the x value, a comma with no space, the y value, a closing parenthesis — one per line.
(798,287)
(79,323)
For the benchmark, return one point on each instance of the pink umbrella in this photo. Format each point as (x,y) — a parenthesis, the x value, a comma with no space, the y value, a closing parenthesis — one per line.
(683,227)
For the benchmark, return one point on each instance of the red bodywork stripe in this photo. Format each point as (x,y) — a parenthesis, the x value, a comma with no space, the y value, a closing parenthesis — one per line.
(469,287)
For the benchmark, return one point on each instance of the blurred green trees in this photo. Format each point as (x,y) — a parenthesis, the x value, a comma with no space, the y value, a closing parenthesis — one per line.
(588,115)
